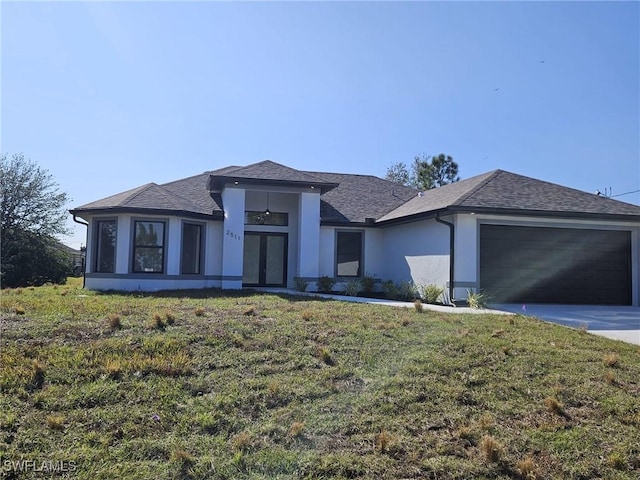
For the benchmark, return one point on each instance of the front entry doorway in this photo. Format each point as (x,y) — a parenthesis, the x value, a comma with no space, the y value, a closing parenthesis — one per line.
(265,259)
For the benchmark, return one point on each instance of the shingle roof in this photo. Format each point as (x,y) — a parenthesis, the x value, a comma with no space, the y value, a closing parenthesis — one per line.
(504,192)
(267,173)
(151,197)
(348,198)
(358,197)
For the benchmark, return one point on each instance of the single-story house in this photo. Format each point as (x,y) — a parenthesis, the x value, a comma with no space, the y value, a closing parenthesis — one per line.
(516,238)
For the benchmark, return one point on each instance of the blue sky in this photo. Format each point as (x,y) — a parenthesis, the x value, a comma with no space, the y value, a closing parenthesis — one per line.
(109,96)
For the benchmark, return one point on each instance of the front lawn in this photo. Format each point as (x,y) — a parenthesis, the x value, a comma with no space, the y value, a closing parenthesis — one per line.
(210,384)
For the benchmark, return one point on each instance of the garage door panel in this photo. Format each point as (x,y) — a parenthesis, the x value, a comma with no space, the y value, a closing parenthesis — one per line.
(555,265)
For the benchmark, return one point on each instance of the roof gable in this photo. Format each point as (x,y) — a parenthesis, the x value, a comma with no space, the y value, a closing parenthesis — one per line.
(505,192)
(266,173)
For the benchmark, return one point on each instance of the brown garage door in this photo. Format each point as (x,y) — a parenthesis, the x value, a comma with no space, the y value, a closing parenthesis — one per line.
(555,265)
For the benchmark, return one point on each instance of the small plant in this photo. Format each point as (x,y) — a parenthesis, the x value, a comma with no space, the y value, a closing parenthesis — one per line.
(526,468)
(113,368)
(553,405)
(295,430)
(611,360)
(37,375)
(617,460)
(491,449)
(352,288)
(113,322)
(156,322)
(199,312)
(431,293)
(417,304)
(56,422)
(407,290)
(368,282)
(170,318)
(465,432)
(181,456)
(476,300)
(242,441)
(300,284)
(487,422)
(610,377)
(325,284)
(383,440)
(390,290)
(325,355)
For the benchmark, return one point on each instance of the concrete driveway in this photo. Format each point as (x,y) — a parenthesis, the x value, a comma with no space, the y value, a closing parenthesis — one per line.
(619,323)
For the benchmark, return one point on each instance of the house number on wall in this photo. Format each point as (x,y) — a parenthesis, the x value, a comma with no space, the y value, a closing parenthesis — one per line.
(235,236)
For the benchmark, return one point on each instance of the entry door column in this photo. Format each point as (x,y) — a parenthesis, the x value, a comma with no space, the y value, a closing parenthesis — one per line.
(309,248)
(233,200)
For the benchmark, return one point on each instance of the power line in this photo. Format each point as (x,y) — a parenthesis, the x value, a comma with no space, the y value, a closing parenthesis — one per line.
(627,193)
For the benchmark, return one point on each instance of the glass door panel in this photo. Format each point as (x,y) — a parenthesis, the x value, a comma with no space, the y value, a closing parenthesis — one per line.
(275,260)
(265,259)
(251,264)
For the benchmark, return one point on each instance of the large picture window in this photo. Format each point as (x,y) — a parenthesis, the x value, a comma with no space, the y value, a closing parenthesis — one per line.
(349,254)
(191,255)
(106,246)
(148,247)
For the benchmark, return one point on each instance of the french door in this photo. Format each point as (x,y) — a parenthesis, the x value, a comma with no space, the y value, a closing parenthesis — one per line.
(265,259)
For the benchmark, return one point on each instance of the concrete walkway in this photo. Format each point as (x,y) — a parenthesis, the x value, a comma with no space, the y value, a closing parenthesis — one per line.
(618,323)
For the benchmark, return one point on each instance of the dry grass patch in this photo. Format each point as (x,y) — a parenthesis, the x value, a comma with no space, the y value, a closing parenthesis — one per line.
(526,468)
(553,405)
(383,441)
(611,360)
(295,430)
(490,448)
(56,422)
(114,322)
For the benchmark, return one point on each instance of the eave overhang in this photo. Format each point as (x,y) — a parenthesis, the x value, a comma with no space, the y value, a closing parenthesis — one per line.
(217,183)
(215,215)
(511,212)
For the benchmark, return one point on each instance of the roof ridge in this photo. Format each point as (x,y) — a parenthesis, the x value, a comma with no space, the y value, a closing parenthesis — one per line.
(490,176)
(166,192)
(137,191)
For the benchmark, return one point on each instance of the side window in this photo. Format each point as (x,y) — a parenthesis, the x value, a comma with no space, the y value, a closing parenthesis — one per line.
(349,254)
(191,255)
(148,247)
(105,258)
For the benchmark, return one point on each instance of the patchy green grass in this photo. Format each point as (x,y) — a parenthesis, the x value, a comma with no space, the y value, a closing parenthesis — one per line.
(206,384)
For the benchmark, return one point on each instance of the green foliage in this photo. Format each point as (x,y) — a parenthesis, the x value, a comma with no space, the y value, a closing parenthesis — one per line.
(368,282)
(300,284)
(325,284)
(433,172)
(399,173)
(426,172)
(390,290)
(477,299)
(31,214)
(32,259)
(431,293)
(352,288)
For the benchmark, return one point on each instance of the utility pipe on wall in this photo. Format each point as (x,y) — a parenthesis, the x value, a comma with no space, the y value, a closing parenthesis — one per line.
(452,256)
(84,261)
